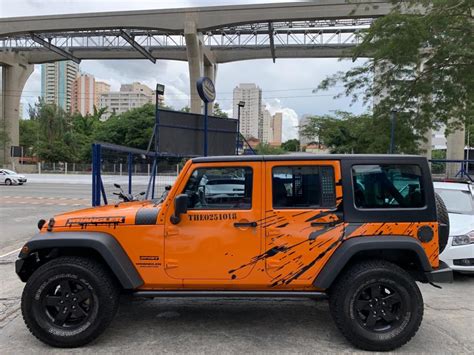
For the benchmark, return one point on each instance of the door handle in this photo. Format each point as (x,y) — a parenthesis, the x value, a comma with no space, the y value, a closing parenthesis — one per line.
(245,224)
(320,224)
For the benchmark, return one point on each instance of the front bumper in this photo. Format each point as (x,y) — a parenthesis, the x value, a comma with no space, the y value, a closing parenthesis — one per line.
(453,254)
(443,274)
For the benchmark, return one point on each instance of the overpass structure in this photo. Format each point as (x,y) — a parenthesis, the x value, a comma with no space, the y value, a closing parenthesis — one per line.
(204,37)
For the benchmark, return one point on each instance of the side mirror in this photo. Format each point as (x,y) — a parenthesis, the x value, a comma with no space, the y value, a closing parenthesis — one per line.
(180,207)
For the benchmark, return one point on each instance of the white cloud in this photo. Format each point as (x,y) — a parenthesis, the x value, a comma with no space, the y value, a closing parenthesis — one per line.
(289,121)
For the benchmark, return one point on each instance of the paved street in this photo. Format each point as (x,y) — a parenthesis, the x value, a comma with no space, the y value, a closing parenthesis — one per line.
(205,325)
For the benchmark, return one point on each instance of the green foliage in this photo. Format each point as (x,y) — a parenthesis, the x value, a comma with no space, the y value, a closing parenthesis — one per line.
(132,128)
(267,149)
(421,63)
(186,109)
(217,111)
(346,133)
(438,168)
(29,136)
(292,145)
(54,135)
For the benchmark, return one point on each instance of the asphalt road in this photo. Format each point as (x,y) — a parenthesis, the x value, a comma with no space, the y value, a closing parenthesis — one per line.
(206,325)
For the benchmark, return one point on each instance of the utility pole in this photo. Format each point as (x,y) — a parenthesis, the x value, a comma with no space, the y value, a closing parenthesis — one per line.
(393,117)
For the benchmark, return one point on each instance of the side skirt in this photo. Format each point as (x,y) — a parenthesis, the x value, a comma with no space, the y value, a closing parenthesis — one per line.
(237,294)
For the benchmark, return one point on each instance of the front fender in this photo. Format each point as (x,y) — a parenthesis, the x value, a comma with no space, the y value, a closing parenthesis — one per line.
(103,243)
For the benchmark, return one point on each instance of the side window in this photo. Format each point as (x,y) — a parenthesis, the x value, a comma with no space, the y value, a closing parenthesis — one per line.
(220,188)
(388,186)
(303,187)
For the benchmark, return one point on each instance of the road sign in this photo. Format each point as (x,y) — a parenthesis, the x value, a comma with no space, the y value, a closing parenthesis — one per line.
(206,89)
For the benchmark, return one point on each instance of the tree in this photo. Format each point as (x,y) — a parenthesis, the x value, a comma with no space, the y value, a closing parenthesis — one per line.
(217,112)
(421,60)
(29,136)
(132,128)
(185,109)
(346,133)
(54,125)
(267,149)
(291,145)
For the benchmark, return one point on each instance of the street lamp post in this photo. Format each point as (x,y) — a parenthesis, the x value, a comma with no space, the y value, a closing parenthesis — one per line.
(150,191)
(239,105)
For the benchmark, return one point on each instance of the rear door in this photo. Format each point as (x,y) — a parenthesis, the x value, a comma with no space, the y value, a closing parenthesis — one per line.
(303,218)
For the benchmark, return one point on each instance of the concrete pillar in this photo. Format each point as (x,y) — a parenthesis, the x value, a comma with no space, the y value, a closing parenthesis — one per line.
(195,63)
(201,62)
(14,77)
(210,70)
(426,144)
(455,142)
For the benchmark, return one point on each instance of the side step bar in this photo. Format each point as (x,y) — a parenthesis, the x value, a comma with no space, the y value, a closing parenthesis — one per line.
(237,294)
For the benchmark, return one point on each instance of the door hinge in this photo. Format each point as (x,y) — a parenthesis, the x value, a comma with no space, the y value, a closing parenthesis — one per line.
(170,231)
(273,232)
(171,264)
(273,264)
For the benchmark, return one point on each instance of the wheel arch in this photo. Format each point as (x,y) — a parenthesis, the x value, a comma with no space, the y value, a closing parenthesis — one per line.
(404,251)
(98,245)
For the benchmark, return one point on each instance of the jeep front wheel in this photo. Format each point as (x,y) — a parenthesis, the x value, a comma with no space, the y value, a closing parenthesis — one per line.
(69,301)
(376,305)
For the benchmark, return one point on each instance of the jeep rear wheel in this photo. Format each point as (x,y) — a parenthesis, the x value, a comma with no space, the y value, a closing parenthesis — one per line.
(376,305)
(69,301)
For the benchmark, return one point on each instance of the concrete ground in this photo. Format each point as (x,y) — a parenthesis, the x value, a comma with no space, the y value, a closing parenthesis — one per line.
(205,325)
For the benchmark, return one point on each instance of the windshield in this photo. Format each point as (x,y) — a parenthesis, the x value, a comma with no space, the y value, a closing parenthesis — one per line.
(9,172)
(457,201)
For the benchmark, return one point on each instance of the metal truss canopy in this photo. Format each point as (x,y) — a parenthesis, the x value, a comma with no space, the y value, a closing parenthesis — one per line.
(270,37)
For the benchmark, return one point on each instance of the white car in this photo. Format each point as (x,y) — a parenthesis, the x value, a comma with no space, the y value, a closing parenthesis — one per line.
(9,177)
(459,200)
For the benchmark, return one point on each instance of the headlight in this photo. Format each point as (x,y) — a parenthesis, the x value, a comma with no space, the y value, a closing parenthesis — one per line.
(464,239)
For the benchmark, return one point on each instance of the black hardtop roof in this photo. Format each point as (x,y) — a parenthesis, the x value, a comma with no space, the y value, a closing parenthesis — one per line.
(308,156)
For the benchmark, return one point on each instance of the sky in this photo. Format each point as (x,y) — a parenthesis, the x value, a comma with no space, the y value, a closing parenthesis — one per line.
(286,85)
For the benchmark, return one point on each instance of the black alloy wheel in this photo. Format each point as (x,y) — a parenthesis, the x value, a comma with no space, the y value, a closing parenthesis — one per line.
(378,307)
(66,303)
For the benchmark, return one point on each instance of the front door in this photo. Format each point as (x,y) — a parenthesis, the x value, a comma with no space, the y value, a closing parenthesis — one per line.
(220,230)
(303,219)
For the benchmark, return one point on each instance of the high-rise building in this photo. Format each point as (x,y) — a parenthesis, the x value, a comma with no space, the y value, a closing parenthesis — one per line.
(57,81)
(129,97)
(100,88)
(251,115)
(277,128)
(305,140)
(83,94)
(20,110)
(267,130)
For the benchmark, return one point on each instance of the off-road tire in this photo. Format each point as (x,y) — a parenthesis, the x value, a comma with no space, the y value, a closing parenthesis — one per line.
(102,302)
(342,302)
(443,218)
(8,182)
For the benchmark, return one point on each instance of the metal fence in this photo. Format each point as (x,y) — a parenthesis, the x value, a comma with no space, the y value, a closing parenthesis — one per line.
(452,169)
(132,169)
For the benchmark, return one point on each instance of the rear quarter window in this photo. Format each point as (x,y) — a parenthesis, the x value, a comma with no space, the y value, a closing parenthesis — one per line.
(388,186)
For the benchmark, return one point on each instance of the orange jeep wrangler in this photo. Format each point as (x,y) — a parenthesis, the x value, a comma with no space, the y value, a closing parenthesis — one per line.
(358,229)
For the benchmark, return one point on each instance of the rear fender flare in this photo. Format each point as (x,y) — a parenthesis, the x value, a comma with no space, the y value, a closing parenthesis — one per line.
(353,246)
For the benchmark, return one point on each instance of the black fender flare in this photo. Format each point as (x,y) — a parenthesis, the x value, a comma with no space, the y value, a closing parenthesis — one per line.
(103,243)
(352,246)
